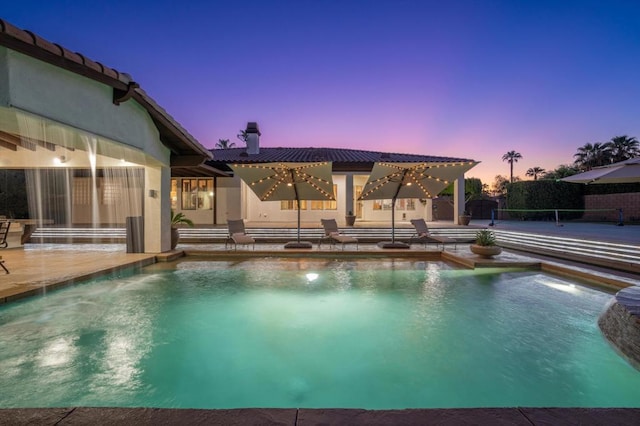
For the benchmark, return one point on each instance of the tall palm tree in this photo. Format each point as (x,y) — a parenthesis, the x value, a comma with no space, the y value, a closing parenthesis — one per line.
(224,144)
(592,155)
(535,171)
(511,157)
(622,148)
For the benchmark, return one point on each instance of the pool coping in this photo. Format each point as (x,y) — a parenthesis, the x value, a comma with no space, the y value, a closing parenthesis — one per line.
(608,282)
(303,416)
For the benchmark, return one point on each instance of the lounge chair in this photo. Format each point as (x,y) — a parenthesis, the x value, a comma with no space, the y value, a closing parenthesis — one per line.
(423,235)
(332,234)
(238,235)
(4,231)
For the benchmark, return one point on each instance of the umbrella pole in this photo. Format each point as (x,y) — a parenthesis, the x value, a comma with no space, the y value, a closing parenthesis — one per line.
(298,220)
(393,220)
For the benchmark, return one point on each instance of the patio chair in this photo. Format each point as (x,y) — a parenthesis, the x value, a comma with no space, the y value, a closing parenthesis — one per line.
(422,235)
(238,235)
(4,231)
(332,234)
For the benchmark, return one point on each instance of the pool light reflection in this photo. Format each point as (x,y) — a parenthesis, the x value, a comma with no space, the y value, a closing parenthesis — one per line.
(312,276)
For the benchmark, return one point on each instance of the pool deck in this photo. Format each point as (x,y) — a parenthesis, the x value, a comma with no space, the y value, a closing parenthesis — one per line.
(308,417)
(37,269)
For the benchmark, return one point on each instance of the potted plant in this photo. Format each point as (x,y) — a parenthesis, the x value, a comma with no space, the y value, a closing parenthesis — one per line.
(485,245)
(350,218)
(178,219)
(464,218)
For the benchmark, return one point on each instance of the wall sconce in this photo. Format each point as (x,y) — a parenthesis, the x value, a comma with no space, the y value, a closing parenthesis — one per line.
(153,193)
(60,160)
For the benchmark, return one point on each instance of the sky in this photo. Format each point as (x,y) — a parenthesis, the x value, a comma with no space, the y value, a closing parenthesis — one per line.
(459,78)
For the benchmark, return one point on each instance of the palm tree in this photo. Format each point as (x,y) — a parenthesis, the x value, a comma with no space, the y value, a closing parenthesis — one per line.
(592,155)
(511,157)
(224,144)
(622,148)
(243,136)
(535,171)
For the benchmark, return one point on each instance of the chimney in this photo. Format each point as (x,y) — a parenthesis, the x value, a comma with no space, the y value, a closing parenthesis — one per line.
(253,138)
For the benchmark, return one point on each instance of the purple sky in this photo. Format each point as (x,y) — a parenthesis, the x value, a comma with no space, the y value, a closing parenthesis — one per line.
(471,79)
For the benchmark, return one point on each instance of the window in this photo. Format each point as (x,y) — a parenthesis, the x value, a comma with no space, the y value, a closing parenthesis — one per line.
(197,194)
(189,195)
(174,194)
(326,204)
(406,204)
(292,205)
(401,204)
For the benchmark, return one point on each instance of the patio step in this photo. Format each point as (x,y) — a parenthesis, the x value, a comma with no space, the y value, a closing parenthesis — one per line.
(624,257)
(219,235)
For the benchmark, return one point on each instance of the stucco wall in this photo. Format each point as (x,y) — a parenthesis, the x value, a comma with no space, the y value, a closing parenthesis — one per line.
(4,77)
(68,98)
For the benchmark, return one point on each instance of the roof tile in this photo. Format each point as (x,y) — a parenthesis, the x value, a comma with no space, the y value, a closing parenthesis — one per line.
(16,33)
(46,45)
(335,155)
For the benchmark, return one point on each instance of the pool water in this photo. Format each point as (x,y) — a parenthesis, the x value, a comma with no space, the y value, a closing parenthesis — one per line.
(313,333)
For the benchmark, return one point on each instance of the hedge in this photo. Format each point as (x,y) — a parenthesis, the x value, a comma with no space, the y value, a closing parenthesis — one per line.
(544,195)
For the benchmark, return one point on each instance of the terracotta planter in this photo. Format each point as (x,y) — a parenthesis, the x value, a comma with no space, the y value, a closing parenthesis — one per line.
(175,236)
(485,251)
(464,219)
(351,220)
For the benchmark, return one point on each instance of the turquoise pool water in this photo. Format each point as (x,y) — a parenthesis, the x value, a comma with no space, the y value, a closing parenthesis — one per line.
(313,333)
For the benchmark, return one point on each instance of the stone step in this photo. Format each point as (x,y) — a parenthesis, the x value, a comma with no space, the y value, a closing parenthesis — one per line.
(613,255)
(196,235)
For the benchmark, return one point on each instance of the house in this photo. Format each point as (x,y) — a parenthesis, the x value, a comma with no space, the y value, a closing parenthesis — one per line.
(210,201)
(92,149)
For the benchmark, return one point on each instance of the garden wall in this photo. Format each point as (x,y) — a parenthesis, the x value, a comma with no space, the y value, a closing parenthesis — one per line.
(629,203)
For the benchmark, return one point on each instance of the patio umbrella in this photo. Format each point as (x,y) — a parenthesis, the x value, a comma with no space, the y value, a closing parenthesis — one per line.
(627,171)
(288,181)
(410,180)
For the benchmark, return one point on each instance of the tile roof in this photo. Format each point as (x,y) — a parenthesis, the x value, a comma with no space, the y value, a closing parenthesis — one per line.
(343,159)
(172,133)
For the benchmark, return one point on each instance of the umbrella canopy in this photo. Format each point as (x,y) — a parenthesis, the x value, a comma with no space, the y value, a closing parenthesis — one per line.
(627,171)
(288,181)
(410,180)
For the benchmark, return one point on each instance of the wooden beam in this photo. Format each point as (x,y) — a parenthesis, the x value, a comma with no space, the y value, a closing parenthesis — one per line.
(7,145)
(18,141)
(26,142)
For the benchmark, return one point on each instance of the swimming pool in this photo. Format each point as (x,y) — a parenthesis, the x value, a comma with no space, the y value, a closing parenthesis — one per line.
(372,334)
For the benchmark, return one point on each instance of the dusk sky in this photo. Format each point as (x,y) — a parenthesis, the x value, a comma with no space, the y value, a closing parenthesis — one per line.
(470,79)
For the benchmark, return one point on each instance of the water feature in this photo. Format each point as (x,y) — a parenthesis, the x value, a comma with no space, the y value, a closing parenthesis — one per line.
(67,177)
(313,333)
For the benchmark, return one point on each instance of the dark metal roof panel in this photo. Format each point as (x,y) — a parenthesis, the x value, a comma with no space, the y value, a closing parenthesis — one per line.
(338,156)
